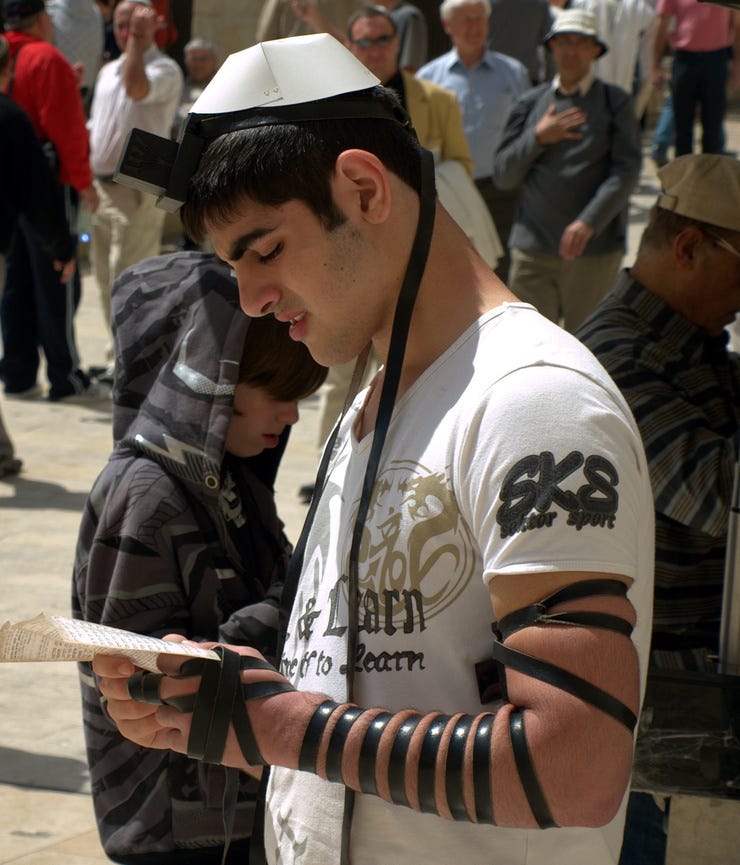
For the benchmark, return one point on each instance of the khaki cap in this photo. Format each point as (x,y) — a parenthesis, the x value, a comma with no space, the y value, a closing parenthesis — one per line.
(704,187)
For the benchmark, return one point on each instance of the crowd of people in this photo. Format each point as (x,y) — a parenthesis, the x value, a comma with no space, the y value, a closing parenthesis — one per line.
(543,439)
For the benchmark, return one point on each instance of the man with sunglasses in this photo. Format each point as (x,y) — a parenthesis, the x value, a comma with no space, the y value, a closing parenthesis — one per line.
(660,334)
(372,37)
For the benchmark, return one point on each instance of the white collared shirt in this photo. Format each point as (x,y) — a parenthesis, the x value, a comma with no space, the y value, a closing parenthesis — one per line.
(582,88)
(113,113)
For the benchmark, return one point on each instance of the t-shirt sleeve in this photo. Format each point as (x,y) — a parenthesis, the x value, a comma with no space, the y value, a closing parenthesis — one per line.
(552,477)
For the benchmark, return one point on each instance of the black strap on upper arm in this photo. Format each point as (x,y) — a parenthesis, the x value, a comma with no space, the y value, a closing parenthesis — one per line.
(538,613)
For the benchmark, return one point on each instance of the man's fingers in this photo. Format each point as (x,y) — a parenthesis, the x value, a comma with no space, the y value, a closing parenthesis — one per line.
(112,667)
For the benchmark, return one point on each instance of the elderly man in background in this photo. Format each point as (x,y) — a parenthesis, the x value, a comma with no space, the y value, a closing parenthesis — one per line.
(486,84)
(574,148)
(141,88)
(200,59)
(660,335)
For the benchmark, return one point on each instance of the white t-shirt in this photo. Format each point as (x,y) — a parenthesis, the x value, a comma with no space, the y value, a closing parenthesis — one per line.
(513,453)
(113,114)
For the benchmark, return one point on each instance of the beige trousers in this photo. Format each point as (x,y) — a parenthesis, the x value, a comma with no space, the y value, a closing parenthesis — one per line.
(127,227)
(564,291)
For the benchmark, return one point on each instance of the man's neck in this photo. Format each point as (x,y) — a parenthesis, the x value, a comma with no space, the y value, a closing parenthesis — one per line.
(470,58)
(570,86)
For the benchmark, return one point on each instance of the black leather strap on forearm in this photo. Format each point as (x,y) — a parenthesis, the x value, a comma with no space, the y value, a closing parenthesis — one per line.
(459,731)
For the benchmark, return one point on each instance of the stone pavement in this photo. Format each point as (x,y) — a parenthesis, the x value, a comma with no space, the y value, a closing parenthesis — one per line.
(46,813)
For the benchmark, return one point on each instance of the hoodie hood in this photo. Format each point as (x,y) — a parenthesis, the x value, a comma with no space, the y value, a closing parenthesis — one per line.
(179,334)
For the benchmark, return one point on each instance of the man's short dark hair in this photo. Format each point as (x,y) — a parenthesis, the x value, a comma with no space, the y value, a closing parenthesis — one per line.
(272,165)
(370,12)
(664,226)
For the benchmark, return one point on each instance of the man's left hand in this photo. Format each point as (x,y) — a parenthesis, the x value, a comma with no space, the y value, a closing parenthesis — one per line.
(574,239)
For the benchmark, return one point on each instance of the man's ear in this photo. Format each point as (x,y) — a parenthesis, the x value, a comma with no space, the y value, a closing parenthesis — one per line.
(361,184)
(686,245)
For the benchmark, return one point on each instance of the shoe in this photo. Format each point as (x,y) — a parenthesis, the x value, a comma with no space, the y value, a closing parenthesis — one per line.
(94,392)
(33,392)
(305,493)
(9,466)
(103,374)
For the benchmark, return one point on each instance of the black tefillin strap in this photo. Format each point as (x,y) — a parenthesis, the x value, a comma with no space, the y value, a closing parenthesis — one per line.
(219,702)
(394,365)
(401,320)
(507,657)
(461,735)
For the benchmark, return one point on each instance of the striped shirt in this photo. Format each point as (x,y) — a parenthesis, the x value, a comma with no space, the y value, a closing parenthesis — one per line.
(683,387)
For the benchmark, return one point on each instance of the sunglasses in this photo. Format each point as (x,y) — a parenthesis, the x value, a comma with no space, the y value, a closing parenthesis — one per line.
(380,41)
(723,244)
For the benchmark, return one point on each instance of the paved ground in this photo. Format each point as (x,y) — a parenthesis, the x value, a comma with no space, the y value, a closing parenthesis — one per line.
(45,808)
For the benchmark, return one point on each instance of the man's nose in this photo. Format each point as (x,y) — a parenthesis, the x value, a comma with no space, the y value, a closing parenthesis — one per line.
(255,298)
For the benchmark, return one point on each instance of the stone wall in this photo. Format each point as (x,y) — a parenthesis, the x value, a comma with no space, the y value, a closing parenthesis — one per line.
(232,24)
(229,24)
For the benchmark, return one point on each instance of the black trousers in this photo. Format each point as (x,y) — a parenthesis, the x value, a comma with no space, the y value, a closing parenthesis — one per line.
(37,312)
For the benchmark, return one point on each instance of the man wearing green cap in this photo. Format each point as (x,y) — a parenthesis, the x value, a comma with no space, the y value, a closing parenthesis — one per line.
(490,471)
(660,335)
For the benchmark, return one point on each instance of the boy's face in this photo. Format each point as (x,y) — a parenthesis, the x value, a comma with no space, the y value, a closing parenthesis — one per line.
(258,421)
(325,283)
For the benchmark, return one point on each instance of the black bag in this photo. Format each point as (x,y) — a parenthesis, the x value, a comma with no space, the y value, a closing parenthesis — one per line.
(688,738)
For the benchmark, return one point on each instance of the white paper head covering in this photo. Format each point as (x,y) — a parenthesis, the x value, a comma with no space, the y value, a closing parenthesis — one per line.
(301,78)
(284,72)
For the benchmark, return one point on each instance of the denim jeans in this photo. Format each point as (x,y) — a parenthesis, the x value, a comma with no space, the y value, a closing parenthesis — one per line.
(645,832)
(665,130)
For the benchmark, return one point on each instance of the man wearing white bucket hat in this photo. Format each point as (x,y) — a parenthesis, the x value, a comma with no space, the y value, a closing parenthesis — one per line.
(573,146)
(490,471)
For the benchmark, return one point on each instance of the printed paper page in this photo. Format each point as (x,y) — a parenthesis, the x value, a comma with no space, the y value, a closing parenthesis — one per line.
(56,638)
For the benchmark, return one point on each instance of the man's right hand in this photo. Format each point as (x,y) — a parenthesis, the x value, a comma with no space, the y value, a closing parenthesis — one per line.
(89,198)
(556,126)
(142,28)
(65,269)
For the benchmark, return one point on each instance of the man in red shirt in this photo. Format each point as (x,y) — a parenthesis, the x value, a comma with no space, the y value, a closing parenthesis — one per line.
(37,308)
(704,39)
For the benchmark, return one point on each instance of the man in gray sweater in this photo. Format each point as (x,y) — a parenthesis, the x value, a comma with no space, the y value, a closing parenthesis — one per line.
(573,145)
